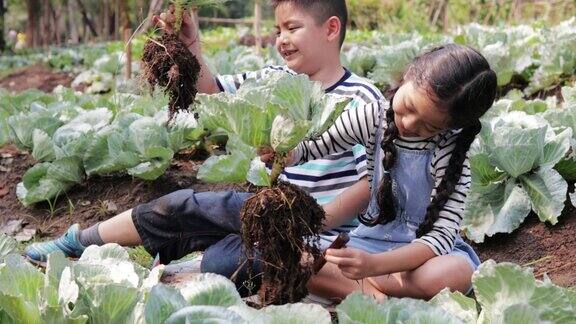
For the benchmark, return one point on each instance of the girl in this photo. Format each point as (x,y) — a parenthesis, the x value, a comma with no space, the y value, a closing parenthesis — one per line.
(408,243)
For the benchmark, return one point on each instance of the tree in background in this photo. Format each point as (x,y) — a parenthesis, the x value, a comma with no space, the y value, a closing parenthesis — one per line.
(2,12)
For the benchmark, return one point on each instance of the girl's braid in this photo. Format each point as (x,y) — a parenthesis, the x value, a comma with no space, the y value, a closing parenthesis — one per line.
(451,177)
(385,196)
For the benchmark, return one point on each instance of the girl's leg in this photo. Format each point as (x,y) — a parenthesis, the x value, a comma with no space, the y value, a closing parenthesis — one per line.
(331,284)
(427,280)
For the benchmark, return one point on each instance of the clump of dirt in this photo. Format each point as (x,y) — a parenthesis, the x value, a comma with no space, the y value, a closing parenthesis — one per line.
(282,223)
(168,63)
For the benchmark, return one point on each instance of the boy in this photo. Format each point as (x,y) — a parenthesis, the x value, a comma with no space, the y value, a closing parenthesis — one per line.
(310,34)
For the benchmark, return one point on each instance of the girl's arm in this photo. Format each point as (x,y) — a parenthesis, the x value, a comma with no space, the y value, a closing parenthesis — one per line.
(358,264)
(354,126)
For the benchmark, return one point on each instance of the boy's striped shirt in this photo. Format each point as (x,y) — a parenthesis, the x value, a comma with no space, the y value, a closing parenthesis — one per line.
(359,126)
(324,178)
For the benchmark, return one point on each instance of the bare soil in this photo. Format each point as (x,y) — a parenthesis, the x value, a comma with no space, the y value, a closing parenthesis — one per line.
(35,77)
(548,249)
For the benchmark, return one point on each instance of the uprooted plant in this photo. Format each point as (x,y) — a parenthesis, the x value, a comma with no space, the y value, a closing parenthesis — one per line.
(281,221)
(168,63)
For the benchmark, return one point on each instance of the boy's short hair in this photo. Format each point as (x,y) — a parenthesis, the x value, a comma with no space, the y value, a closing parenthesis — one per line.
(321,10)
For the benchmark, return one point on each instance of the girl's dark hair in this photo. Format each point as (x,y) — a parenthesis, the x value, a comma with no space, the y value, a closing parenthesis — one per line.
(458,79)
(321,10)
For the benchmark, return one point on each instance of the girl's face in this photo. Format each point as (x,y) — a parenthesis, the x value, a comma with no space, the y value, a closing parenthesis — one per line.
(416,115)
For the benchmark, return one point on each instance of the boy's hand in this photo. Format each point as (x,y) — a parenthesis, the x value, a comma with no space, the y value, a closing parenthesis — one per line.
(188,32)
(354,263)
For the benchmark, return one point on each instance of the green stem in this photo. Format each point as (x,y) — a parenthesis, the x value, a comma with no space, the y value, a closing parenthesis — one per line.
(277,167)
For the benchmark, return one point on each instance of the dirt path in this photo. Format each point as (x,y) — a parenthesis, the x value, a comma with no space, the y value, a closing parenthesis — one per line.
(35,77)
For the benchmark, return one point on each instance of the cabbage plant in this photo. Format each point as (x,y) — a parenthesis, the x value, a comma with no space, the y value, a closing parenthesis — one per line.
(74,138)
(512,163)
(278,112)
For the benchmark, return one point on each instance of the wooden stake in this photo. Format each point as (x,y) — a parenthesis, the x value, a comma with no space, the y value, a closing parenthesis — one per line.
(127,34)
(258,26)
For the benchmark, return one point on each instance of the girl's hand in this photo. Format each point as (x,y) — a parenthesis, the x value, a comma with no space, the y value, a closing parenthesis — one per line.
(188,32)
(267,155)
(354,263)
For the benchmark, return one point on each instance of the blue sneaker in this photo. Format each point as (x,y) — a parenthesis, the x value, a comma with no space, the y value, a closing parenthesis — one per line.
(69,243)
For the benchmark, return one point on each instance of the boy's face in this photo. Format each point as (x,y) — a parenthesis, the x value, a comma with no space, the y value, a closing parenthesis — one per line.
(302,42)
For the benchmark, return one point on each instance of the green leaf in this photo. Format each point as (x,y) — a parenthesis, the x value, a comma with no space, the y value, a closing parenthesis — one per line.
(8,246)
(66,170)
(516,141)
(325,114)
(250,315)
(109,303)
(555,149)
(162,302)
(547,192)
(22,126)
(286,133)
(204,314)
(48,180)
(358,308)
(511,290)
(108,152)
(55,265)
(483,172)
(145,133)
(230,168)
(42,147)
(21,286)
(210,289)
(457,304)
(567,168)
(298,313)
(495,208)
(258,174)
(159,161)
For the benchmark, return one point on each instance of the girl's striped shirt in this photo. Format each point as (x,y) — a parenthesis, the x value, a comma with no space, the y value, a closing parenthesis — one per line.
(359,126)
(327,177)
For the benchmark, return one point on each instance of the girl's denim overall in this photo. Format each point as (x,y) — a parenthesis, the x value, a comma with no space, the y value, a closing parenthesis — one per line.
(412,187)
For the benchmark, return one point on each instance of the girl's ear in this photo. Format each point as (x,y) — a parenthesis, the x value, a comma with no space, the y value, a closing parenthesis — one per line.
(333,27)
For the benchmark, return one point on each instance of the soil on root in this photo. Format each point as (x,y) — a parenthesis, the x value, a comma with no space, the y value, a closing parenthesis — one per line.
(282,223)
(548,249)
(96,199)
(35,77)
(168,63)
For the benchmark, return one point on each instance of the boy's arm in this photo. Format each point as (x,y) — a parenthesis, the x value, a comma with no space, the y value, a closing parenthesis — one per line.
(347,205)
